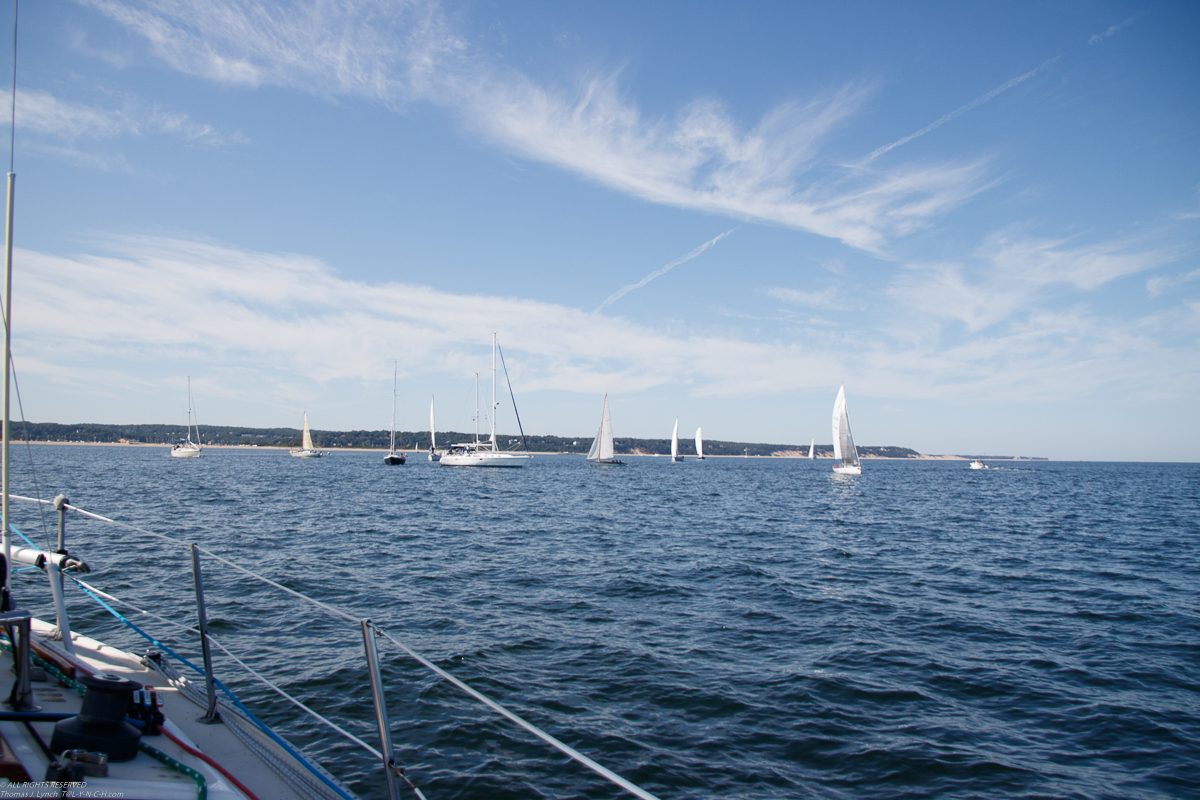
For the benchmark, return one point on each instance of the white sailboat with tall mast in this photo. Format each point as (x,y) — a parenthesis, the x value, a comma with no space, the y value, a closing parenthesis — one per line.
(188,448)
(601,453)
(306,449)
(483,454)
(675,442)
(812,450)
(393,458)
(434,455)
(845,454)
(699,445)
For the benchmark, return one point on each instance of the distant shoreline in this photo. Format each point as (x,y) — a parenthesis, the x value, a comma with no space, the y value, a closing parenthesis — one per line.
(795,454)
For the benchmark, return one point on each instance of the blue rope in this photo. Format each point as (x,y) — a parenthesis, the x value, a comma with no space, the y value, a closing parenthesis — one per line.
(28,541)
(232,698)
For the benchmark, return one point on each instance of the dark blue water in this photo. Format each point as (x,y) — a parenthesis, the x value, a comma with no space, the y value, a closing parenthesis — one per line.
(733,628)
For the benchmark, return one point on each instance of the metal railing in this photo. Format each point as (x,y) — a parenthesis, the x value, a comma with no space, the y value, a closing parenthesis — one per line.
(370,633)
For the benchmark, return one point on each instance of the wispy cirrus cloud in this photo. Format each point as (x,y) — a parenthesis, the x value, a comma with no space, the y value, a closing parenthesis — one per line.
(1009,272)
(702,159)
(829,297)
(46,114)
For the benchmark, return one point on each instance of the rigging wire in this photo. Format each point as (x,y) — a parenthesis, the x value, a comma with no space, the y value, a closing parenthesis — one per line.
(510,394)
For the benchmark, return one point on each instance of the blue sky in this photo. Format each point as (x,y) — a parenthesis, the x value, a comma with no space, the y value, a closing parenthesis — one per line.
(981,218)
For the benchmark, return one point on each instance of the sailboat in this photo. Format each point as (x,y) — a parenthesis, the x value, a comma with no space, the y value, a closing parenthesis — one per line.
(675,443)
(434,455)
(699,446)
(601,453)
(188,449)
(812,450)
(392,457)
(483,454)
(306,444)
(845,455)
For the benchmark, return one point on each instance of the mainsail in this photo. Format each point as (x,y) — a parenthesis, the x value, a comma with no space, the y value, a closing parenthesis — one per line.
(432,435)
(306,443)
(675,442)
(699,444)
(844,451)
(602,445)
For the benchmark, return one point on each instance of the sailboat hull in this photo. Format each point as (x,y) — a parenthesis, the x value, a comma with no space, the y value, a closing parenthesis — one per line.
(394,458)
(306,453)
(185,451)
(851,469)
(484,459)
(598,463)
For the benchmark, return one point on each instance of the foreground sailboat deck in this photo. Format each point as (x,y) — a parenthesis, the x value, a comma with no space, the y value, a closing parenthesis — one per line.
(248,755)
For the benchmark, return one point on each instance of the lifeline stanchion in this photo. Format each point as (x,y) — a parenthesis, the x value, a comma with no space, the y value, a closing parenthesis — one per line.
(381,715)
(21,698)
(211,715)
(54,573)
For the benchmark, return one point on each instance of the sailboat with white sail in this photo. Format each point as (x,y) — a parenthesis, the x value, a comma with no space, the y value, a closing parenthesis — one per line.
(188,448)
(812,450)
(483,454)
(699,445)
(306,444)
(601,453)
(675,442)
(434,455)
(393,458)
(845,455)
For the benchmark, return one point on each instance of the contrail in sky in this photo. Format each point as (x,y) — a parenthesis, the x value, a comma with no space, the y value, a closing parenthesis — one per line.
(960,111)
(619,293)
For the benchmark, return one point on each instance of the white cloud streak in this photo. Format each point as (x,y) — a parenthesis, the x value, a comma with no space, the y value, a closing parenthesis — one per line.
(958,112)
(1100,37)
(46,114)
(624,290)
(396,53)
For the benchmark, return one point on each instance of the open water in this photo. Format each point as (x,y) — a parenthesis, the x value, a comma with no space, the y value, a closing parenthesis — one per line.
(746,628)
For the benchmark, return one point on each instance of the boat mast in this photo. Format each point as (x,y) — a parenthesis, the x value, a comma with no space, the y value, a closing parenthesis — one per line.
(492,415)
(395,369)
(189,427)
(476,409)
(8,242)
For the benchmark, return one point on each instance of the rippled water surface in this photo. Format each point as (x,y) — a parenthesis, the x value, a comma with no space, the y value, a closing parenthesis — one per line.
(747,628)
